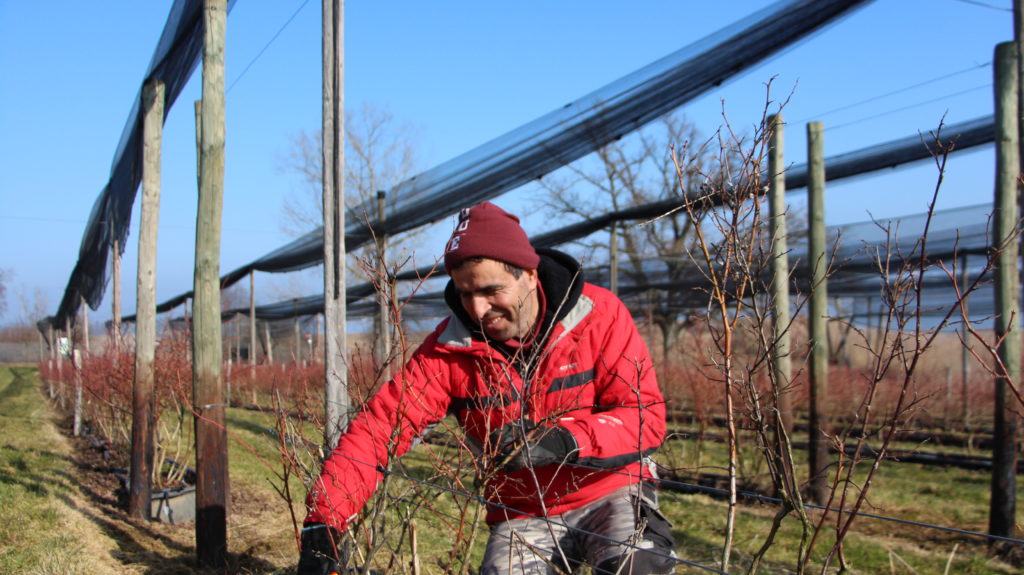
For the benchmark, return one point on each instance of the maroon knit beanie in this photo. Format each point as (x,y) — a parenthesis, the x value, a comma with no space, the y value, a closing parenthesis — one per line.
(488,231)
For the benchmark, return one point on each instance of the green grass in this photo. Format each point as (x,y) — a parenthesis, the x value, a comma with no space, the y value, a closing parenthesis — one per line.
(34,481)
(38,485)
(947,497)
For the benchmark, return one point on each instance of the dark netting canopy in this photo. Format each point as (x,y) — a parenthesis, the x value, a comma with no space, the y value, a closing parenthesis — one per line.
(956,245)
(175,59)
(570,132)
(864,258)
(529,152)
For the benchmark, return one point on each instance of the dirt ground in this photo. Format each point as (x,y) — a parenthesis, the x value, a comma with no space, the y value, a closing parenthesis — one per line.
(161,548)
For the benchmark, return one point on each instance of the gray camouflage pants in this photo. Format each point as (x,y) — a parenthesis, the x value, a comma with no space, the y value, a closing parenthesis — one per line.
(624,532)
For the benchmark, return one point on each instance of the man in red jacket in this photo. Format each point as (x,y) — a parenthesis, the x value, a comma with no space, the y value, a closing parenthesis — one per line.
(555,390)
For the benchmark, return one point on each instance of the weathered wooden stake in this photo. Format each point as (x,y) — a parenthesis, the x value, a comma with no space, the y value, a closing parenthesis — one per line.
(143,397)
(384,293)
(613,258)
(115,294)
(965,353)
(252,323)
(85,327)
(208,386)
(780,273)
(270,343)
(76,365)
(335,314)
(1002,509)
(818,313)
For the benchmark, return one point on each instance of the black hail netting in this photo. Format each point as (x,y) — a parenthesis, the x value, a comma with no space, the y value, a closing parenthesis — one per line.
(529,152)
(306,251)
(174,60)
(957,240)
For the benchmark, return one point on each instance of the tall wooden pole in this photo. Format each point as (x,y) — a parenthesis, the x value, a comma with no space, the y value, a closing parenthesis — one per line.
(613,258)
(1002,506)
(780,274)
(335,337)
(965,353)
(384,293)
(252,322)
(818,312)
(85,327)
(115,296)
(270,343)
(208,385)
(145,307)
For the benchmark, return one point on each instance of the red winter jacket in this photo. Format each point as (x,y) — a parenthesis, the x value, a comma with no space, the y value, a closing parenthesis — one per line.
(594,378)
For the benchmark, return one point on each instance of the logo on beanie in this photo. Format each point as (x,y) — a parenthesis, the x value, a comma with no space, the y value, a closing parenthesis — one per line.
(463,225)
(494,234)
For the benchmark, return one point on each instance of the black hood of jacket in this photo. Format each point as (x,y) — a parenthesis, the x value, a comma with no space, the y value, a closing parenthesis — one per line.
(561,278)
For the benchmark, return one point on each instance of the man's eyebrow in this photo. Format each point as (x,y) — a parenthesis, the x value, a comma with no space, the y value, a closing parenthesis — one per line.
(483,288)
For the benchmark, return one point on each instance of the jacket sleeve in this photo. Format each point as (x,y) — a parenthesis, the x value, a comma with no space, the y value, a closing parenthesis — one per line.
(384,428)
(627,421)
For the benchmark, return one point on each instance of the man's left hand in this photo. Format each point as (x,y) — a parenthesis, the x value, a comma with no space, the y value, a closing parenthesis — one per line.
(542,446)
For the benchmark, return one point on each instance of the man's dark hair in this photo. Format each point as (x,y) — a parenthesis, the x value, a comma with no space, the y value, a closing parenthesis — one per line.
(516,271)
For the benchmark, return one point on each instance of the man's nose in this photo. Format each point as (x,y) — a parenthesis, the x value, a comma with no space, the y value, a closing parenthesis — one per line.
(480,307)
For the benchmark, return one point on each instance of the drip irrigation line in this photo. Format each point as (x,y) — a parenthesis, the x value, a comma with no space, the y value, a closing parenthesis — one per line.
(267,45)
(910,107)
(898,91)
(986,5)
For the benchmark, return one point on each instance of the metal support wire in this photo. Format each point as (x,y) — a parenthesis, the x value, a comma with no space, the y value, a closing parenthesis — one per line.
(482,501)
(745,494)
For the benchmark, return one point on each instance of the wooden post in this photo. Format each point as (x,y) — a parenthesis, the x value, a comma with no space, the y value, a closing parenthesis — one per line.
(252,323)
(780,274)
(384,293)
(818,312)
(70,349)
(965,353)
(207,351)
(76,365)
(335,337)
(270,343)
(296,341)
(1002,510)
(53,357)
(143,397)
(613,258)
(115,296)
(85,327)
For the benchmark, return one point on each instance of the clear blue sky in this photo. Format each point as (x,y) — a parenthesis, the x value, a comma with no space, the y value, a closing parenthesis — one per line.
(461,72)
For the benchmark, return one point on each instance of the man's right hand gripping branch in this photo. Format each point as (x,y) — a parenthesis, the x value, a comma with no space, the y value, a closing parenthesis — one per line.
(323,552)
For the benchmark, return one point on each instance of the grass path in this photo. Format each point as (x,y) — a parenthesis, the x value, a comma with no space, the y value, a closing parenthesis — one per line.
(47,525)
(58,513)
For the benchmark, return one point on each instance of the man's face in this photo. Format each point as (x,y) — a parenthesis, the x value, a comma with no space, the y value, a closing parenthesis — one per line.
(505,306)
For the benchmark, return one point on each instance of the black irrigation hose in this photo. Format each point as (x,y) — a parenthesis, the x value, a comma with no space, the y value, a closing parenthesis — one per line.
(767,499)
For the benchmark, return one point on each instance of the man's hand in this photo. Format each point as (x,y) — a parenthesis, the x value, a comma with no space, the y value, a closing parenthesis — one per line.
(322,551)
(525,445)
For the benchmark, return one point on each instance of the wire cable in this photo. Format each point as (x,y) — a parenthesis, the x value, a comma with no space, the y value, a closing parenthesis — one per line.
(910,107)
(669,482)
(769,499)
(480,500)
(986,5)
(265,46)
(898,91)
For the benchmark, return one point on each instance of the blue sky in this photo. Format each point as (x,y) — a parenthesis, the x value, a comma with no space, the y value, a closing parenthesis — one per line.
(460,73)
